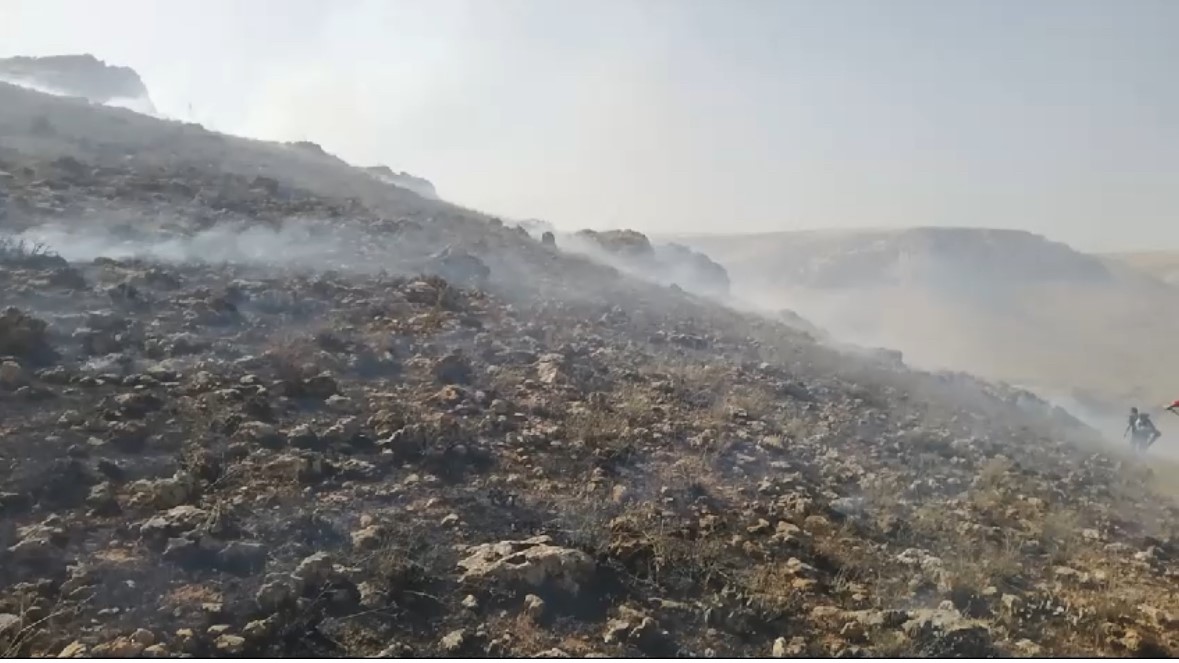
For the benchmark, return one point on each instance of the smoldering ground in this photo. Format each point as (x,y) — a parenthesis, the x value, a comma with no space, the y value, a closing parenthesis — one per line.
(309,244)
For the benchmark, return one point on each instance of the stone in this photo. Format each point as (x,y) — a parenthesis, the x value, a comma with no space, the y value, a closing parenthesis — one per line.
(156,651)
(315,569)
(12,375)
(534,607)
(229,644)
(165,493)
(368,538)
(454,641)
(532,562)
(122,647)
(276,591)
(257,629)
(73,650)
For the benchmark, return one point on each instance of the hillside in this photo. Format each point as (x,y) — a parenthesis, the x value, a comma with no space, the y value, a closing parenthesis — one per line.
(254,401)
(1006,305)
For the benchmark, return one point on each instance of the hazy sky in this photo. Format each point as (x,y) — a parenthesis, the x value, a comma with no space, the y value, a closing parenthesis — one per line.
(1057,116)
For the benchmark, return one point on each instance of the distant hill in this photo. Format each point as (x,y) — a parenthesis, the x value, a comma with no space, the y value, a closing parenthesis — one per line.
(1007,305)
(1163,265)
(915,256)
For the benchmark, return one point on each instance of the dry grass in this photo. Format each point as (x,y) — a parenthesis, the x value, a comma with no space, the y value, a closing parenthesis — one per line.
(1061,534)
(523,636)
(594,427)
(190,595)
(771,588)
(34,632)
(755,402)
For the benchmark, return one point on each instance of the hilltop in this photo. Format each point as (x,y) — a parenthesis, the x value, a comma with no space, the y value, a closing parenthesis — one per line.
(255,401)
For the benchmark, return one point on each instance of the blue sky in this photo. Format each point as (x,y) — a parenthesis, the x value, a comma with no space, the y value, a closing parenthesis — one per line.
(1056,116)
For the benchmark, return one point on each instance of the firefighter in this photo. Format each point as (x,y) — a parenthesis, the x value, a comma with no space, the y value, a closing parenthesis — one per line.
(1149,432)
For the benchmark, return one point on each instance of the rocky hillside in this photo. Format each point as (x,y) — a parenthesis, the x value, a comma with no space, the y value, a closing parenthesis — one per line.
(254,402)
(78,75)
(418,185)
(1006,305)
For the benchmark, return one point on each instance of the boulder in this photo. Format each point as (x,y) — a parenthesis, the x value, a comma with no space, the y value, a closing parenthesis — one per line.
(534,562)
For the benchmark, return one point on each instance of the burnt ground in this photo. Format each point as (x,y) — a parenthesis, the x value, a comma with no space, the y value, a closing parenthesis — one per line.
(390,426)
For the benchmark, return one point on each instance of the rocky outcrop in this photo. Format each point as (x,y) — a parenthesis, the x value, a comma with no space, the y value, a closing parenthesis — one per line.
(628,244)
(536,227)
(77,75)
(693,270)
(419,185)
(533,563)
(669,264)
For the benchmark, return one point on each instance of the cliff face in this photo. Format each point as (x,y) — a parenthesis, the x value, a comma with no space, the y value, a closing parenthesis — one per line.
(78,75)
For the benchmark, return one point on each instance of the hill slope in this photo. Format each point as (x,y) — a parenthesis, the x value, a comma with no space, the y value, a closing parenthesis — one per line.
(269,405)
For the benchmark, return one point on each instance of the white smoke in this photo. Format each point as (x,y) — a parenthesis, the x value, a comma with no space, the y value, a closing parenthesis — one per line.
(309,243)
(141,105)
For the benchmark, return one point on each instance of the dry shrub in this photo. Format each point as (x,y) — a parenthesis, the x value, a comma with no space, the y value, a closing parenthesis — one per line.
(673,559)
(770,588)
(978,564)
(1060,532)
(21,252)
(758,403)
(993,473)
(521,635)
(23,336)
(593,427)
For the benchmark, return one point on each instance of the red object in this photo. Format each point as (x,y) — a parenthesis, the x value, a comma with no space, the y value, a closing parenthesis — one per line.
(1173,405)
